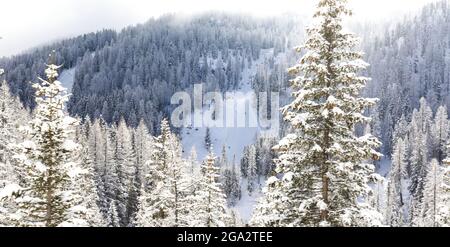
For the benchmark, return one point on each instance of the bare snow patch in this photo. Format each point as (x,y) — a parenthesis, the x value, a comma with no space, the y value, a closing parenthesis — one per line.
(67,78)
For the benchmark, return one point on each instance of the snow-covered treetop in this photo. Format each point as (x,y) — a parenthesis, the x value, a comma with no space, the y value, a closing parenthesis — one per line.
(52,71)
(165,126)
(52,90)
(338,7)
(50,115)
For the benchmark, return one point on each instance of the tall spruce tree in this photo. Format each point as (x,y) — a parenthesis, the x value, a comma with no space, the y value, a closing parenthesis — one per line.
(419,141)
(208,142)
(112,178)
(163,196)
(231,185)
(12,115)
(443,217)
(45,160)
(323,160)
(142,143)
(432,196)
(96,155)
(126,160)
(396,198)
(274,208)
(440,132)
(252,169)
(209,208)
(86,211)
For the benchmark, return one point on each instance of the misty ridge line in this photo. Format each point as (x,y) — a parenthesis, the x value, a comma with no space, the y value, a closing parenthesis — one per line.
(72,28)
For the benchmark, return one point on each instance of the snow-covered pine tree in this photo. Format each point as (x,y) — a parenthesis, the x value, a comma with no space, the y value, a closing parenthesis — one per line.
(396,198)
(12,114)
(6,129)
(419,148)
(376,122)
(431,196)
(111,177)
(96,155)
(443,218)
(162,203)
(174,185)
(192,171)
(142,143)
(10,111)
(231,185)
(44,161)
(435,206)
(324,159)
(265,156)
(127,167)
(424,116)
(113,219)
(244,162)
(178,190)
(192,184)
(209,208)
(4,133)
(223,161)
(440,133)
(153,211)
(208,142)
(252,169)
(401,129)
(378,198)
(235,192)
(234,219)
(273,209)
(86,211)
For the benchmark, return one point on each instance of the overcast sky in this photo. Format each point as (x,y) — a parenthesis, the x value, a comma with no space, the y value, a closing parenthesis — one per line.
(27,23)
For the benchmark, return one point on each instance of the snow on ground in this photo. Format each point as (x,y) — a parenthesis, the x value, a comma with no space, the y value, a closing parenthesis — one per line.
(248,201)
(67,78)
(235,139)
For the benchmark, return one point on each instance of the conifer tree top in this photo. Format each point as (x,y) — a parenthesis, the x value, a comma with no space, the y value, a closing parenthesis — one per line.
(52,71)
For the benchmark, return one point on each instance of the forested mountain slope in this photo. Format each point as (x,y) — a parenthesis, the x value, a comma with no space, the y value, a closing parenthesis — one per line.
(408,62)
(23,68)
(134,73)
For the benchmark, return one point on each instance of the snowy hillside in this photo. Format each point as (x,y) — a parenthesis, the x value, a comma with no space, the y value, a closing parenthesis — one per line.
(233,138)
